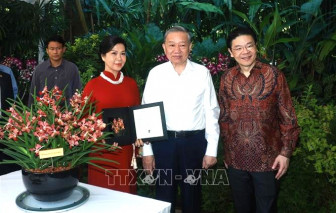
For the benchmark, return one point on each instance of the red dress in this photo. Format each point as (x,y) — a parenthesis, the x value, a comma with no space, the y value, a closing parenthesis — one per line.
(108,95)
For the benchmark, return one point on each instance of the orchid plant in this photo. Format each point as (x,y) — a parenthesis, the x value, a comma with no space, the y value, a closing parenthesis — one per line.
(51,125)
(218,65)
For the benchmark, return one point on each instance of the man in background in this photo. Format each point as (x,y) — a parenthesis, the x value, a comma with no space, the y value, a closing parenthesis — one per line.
(55,71)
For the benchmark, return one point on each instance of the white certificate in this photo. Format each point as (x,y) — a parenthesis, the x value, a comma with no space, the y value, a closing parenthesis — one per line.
(148,122)
(127,124)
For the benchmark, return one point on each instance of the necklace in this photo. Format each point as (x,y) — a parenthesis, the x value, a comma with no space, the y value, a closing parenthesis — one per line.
(110,80)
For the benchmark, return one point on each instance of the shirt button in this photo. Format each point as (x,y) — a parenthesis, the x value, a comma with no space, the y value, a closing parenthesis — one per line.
(55,77)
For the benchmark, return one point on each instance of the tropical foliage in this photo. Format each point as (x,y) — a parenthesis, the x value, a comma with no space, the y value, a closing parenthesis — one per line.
(299,37)
(310,185)
(23,26)
(318,136)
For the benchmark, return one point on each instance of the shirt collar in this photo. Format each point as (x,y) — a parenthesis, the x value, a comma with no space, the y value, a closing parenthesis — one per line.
(49,64)
(187,68)
(257,66)
(111,76)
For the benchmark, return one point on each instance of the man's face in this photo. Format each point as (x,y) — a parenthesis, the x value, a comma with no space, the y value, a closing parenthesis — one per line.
(177,48)
(244,51)
(55,51)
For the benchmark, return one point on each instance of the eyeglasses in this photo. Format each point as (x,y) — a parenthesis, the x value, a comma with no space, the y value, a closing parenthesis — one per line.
(248,47)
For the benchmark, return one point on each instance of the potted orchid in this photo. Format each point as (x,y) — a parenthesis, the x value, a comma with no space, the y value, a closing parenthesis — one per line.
(52,135)
(49,124)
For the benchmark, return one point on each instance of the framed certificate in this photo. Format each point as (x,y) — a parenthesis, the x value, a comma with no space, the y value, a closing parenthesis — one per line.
(146,122)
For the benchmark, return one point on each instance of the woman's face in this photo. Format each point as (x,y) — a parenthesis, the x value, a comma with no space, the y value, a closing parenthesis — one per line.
(115,59)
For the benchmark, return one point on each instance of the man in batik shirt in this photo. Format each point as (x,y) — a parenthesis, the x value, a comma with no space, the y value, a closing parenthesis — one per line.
(258,125)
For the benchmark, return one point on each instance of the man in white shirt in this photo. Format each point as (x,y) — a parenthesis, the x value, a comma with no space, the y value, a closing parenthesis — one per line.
(191,111)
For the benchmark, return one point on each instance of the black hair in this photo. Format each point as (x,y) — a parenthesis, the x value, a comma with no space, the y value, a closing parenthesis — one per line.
(109,42)
(238,32)
(56,38)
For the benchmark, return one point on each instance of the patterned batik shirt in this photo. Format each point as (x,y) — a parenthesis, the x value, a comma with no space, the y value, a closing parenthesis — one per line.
(257,119)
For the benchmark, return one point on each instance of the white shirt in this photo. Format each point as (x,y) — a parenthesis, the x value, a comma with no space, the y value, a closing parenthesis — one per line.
(189,100)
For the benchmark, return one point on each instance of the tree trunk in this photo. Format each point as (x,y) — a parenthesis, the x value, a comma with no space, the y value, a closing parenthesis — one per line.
(81,16)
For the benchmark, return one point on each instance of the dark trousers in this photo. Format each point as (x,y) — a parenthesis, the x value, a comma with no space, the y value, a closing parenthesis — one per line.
(178,162)
(254,191)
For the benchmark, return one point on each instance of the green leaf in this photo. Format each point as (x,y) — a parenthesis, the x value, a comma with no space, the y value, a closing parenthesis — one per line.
(272,30)
(326,46)
(286,40)
(208,48)
(311,7)
(253,9)
(245,18)
(153,33)
(206,7)
(98,166)
(106,7)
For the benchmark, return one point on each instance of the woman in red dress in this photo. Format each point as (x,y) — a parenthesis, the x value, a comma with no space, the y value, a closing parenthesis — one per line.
(112,90)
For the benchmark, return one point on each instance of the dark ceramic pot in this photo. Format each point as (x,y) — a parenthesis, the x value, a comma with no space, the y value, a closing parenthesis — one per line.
(50,186)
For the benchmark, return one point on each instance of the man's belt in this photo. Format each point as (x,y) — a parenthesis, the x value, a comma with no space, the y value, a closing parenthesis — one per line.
(183,134)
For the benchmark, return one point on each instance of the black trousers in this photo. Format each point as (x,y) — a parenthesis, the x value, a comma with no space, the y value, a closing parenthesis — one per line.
(178,162)
(254,192)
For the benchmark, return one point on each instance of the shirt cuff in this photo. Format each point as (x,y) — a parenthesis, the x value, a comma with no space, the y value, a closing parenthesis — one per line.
(147,150)
(211,150)
(286,152)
